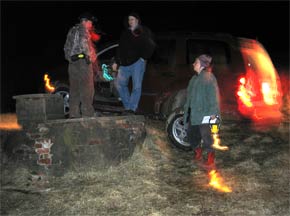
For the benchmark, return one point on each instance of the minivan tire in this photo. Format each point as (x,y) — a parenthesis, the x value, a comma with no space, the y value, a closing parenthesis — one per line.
(176,130)
(64,92)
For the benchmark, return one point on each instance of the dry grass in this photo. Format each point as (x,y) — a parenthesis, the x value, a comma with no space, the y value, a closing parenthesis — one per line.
(160,180)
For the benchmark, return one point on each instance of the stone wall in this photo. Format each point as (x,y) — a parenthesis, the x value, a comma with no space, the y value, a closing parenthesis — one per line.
(51,144)
(57,146)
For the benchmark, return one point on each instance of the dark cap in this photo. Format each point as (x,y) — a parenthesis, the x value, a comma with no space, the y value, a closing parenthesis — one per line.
(88,16)
(205,60)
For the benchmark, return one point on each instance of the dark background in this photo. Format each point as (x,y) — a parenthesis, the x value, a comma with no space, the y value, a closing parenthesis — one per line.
(33,33)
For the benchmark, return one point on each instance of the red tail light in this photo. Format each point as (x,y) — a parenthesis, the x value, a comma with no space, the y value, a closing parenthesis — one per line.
(269,94)
(259,93)
(243,80)
(243,93)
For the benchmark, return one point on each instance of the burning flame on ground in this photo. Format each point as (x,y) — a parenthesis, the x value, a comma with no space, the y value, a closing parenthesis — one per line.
(9,122)
(217,182)
(48,86)
(216,143)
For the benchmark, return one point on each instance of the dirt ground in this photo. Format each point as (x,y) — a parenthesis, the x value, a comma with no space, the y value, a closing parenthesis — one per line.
(162,180)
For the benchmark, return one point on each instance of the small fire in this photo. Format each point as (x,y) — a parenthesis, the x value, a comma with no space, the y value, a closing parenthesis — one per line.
(216,143)
(48,86)
(9,122)
(216,181)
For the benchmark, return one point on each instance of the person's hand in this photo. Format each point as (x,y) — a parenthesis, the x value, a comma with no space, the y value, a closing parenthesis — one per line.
(74,58)
(185,121)
(114,66)
(185,125)
(87,58)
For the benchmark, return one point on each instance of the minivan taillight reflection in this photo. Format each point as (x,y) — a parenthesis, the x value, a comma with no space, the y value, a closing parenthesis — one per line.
(269,95)
(259,90)
(243,93)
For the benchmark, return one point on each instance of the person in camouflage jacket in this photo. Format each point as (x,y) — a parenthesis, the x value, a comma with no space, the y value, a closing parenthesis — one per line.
(80,52)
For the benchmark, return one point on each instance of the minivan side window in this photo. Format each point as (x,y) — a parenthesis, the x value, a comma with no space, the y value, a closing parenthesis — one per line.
(217,49)
(108,53)
(164,51)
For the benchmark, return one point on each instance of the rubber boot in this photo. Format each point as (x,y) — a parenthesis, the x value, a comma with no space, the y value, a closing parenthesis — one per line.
(197,154)
(210,162)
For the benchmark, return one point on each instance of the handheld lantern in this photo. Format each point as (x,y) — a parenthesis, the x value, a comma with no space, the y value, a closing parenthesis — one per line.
(215,125)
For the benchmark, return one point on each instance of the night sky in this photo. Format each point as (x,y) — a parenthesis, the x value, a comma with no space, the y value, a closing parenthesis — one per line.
(33,33)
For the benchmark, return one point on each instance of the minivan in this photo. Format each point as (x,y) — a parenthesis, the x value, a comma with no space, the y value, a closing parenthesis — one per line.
(248,81)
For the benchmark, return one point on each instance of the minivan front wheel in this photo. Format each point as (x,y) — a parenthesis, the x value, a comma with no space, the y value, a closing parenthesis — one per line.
(176,130)
(64,93)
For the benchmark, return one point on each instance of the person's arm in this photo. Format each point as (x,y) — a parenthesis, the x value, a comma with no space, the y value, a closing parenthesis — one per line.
(67,46)
(149,43)
(186,105)
(151,39)
(72,37)
(116,60)
(213,96)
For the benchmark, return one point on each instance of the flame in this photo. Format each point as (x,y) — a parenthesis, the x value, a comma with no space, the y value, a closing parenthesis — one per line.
(9,122)
(216,143)
(48,86)
(216,181)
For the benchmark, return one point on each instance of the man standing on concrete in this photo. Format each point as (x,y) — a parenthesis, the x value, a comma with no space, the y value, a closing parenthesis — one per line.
(80,52)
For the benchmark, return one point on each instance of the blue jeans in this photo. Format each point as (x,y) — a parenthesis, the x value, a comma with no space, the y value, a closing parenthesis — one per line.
(136,71)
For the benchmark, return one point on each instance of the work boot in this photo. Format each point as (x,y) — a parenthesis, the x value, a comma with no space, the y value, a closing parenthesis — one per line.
(197,154)
(129,112)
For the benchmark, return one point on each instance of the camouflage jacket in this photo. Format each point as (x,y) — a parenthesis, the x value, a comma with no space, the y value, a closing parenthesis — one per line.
(78,41)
